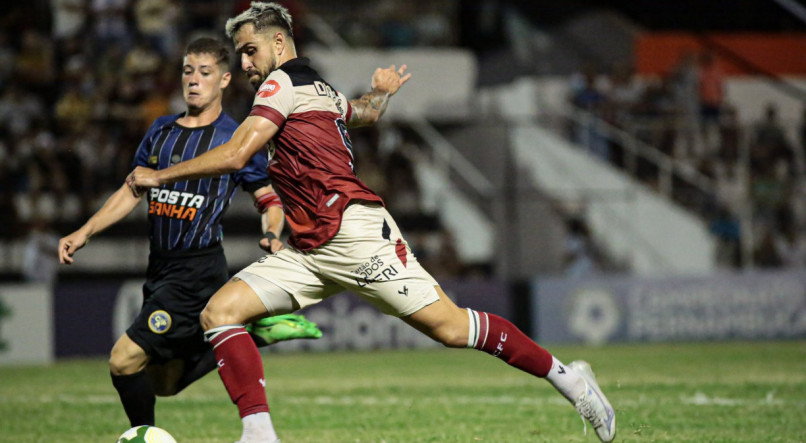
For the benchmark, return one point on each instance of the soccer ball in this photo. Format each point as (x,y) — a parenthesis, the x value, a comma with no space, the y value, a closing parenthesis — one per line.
(146,434)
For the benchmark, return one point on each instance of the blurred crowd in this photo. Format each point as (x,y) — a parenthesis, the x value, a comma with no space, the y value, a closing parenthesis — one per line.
(754,202)
(81,81)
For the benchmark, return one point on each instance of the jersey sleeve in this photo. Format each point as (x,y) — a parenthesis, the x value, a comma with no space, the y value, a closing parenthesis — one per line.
(144,149)
(347,111)
(255,174)
(274,99)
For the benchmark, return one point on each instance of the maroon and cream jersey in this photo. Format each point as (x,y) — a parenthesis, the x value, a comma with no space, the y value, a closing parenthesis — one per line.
(311,158)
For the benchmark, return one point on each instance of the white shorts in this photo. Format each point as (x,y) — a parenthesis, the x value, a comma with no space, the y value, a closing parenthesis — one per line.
(368,256)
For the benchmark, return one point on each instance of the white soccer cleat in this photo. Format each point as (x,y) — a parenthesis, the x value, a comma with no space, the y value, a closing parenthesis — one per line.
(593,405)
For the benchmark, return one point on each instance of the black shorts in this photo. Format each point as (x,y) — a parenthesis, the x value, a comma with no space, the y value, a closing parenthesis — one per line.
(178,286)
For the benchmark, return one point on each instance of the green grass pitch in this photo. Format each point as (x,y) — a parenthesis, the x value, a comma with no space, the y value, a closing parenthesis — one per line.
(714,392)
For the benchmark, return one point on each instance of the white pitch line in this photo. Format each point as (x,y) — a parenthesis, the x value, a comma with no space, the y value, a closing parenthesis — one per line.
(701,399)
(697,399)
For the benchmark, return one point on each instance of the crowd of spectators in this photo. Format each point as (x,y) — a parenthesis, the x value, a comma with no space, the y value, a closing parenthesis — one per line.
(754,205)
(79,84)
(81,81)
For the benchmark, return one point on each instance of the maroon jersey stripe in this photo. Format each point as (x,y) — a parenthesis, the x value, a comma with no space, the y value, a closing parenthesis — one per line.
(269,113)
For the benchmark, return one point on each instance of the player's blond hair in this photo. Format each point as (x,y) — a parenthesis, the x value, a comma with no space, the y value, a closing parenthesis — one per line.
(263,16)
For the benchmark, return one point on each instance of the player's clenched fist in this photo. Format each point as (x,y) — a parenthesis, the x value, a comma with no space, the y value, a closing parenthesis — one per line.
(140,179)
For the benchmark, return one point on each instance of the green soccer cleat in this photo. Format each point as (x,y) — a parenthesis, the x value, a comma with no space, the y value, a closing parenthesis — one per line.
(270,330)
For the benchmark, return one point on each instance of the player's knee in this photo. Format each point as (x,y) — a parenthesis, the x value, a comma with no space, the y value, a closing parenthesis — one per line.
(123,363)
(116,365)
(223,310)
(207,318)
(126,357)
(214,315)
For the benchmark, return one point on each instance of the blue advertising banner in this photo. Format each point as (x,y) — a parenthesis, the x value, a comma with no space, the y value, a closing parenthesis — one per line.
(90,316)
(754,305)
(83,317)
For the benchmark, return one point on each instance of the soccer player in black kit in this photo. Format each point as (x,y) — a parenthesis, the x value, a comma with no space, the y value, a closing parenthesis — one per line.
(163,351)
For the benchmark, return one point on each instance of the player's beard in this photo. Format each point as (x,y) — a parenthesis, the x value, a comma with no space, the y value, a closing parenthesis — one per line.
(255,78)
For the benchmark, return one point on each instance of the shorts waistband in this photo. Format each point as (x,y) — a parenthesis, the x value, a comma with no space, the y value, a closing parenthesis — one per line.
(187,253)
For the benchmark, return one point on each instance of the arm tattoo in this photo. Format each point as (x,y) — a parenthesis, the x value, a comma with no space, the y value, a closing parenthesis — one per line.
(370,106)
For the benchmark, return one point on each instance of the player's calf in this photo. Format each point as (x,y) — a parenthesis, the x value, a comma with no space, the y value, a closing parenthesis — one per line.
(442,321)
(165,377)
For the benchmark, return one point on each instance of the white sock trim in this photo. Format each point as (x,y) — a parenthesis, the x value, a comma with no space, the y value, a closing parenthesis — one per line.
(486,330)
(472,328)
(212,333)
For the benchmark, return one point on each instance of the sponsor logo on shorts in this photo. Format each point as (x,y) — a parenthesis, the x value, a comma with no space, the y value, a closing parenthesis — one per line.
(159,322)
(174,204)
(373,271)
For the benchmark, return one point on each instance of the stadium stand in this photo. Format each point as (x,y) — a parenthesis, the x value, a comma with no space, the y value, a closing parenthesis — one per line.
(79,82)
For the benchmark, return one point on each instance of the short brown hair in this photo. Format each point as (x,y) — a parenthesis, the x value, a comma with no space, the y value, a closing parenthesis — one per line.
(212,46)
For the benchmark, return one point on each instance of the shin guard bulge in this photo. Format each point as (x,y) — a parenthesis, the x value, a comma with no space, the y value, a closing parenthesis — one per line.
(240,367)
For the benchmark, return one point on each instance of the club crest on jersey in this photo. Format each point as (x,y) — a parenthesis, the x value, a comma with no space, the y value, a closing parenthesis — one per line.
(159,322)
(268,89)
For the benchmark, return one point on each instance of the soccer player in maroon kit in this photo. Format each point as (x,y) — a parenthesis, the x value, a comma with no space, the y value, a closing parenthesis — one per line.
(340,230)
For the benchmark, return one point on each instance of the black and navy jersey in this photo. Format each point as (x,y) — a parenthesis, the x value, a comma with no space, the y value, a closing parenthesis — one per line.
(187,215)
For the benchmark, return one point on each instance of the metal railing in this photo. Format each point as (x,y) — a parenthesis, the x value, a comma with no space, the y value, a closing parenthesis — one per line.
(673,172)
(449,159)
(634,148)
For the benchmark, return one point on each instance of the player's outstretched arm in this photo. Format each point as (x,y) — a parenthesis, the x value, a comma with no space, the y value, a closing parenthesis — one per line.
(369,108)
(117,206)
(250,137)
(272,218)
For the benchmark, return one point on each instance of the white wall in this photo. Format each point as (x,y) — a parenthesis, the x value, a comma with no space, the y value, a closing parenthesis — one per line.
(459,215)
(442,83)
(636,226)
(751,95)
(528,97)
